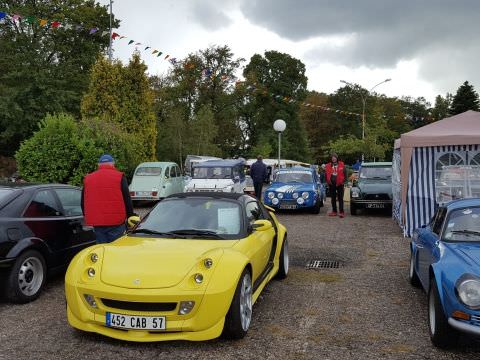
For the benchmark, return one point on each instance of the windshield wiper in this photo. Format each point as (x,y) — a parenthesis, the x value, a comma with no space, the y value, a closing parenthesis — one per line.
(467,232)
(154,232)
(198,232)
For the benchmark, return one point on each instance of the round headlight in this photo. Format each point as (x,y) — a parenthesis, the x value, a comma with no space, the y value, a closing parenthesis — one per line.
(91,272)
(275,201)
(208,263)
(469,292)
(305,195)
(271,195)
(280,195)
(198,278)
(295,195)
(94,257)
(355,193)
(300,201)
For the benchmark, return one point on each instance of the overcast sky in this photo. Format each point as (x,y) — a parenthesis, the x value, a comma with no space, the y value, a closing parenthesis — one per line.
(427,47)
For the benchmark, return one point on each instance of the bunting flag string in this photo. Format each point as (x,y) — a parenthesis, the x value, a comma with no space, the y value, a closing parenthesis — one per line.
(207,72)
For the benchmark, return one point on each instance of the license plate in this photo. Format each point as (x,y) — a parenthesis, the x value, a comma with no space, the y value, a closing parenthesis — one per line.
(143,193)
(288,207)
(375,206)
(135,322)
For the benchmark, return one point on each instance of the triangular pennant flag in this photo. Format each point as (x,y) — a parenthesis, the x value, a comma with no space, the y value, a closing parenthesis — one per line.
(138,44)
(31,19)
(159,54)
(2,15)
(78,27)
(166,57)
(105,33)
(115,35)
(154,52)
(68,27)
(148,47)
(16,17)
(43,22)
(131,42)
(93,30)
(55,24)
(122,37)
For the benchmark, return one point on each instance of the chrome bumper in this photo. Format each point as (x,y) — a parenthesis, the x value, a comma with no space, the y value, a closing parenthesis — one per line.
(464,327)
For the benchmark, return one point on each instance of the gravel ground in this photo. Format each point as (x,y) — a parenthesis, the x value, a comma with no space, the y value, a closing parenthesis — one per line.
(366,309)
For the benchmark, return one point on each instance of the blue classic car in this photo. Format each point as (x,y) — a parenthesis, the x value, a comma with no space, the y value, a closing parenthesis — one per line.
(445,262)
(295,188)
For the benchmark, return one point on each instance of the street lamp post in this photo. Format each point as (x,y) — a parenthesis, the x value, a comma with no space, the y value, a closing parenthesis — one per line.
(364,102)
(279,126)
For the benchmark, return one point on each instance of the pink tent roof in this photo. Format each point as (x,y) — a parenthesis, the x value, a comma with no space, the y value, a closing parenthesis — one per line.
(461,129)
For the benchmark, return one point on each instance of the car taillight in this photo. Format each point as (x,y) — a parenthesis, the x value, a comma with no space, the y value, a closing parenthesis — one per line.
(154,193)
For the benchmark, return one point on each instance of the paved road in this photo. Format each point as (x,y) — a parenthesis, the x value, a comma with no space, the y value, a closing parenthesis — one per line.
(364,310)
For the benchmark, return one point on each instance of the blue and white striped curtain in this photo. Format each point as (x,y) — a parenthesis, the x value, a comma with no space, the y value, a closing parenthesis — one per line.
(421,201)
(421,189)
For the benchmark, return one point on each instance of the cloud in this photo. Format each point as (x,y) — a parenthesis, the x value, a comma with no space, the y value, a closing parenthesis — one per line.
(380,34)
(208,15)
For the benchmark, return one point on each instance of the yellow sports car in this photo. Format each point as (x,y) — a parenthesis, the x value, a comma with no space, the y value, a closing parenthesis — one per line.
(191,270)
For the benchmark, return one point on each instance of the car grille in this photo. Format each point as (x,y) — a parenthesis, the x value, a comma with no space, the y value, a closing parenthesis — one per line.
(377,197)
(139,306)
(475,319)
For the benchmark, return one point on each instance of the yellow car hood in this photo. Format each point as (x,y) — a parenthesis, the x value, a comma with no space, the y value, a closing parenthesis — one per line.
(149,263)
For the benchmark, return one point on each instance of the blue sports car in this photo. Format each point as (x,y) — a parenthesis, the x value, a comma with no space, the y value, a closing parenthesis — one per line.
(295,188)
(445,261)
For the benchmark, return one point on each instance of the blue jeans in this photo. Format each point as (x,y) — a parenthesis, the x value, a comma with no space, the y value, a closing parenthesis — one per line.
(107,234)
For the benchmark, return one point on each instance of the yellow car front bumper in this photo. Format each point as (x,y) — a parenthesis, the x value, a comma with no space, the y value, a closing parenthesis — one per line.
(204,322)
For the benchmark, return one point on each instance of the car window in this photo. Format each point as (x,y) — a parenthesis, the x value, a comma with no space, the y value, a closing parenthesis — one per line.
(43,205)
(148,171)
(438,220)
(172,172)
(71,201)
(253,211)
(463,225)
(220,216)
(167,173)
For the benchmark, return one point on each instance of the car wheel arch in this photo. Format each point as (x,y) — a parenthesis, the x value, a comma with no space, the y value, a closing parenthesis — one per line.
(30,244)
(435,275)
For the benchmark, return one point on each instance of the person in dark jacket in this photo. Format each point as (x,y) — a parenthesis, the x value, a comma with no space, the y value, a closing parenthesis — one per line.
(106,201)
(336,174)
(258,173)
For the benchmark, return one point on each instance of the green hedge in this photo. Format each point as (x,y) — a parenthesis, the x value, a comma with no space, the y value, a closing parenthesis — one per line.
(64,151)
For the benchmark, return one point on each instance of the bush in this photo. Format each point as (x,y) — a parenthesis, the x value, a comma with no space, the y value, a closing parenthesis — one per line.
(64,151)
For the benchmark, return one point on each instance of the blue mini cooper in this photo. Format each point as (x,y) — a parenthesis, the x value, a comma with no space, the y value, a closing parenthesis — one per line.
(295,188)
(445,262)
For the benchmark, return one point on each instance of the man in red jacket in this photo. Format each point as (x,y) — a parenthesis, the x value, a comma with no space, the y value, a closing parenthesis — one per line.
(336,176)
(106,202)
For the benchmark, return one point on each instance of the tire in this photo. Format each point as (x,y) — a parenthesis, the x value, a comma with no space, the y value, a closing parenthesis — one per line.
(353,209)
(239,315)
(412,274)
(441,334)
(26,278)
(316,209)
(284,262)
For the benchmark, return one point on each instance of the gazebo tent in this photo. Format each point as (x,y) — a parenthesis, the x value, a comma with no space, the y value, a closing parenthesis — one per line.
(419,158)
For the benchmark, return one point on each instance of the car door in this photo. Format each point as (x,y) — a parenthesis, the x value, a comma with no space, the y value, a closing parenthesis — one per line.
(263,240)
(80,235)
(178,180)
(43,216)
(167,181)
(428,243)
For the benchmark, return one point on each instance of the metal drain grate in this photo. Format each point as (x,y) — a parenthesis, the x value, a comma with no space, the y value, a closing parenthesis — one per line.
(323,264)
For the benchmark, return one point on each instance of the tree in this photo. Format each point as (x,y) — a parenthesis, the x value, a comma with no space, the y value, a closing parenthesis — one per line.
(416,110)
(199,90)
(465,99)
(122,95)
(45,68)
(441,107)
(275,85)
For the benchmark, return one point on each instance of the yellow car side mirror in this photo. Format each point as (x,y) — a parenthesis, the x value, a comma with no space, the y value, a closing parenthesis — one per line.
(133,221)
(262,225)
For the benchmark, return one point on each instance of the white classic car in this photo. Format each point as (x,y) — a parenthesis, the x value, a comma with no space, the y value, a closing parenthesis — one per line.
(217,176)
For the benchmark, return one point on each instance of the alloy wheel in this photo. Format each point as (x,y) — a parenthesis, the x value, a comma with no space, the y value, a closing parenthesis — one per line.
(246,301)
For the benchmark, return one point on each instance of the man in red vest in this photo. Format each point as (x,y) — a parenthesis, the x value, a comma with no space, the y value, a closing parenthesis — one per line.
(106,202)
(336,176)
